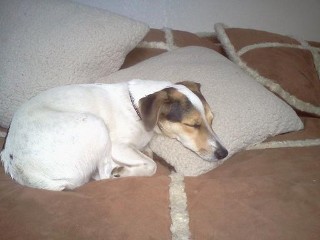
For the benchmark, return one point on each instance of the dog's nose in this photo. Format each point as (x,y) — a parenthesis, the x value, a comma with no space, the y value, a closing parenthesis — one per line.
(221,153)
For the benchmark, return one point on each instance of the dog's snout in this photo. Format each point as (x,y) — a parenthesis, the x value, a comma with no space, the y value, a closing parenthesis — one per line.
(221,153)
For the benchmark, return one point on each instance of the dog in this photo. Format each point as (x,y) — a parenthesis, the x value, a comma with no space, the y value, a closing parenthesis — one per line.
(66,136)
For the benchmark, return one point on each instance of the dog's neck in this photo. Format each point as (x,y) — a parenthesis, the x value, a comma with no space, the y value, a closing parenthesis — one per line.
(141,88)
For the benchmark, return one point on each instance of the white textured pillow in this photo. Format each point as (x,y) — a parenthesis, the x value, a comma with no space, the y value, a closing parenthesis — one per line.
(46,43)
(245,112)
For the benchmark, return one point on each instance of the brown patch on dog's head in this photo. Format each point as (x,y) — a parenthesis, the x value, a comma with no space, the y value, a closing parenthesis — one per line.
(196,89)
(193,86)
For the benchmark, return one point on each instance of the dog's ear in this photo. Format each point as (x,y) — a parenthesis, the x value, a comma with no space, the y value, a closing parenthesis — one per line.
(193,86)
(151,106)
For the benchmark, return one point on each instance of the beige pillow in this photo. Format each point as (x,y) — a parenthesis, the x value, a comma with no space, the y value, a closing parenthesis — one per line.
(51,42)
(245,112)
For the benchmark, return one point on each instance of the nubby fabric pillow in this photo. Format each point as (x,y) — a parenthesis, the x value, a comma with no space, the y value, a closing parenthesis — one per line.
(245,112)
(46,43)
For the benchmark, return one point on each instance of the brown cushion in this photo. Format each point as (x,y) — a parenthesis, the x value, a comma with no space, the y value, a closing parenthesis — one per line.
(135,208)
(260,194)
(158,41)
(263,194)
(287,66)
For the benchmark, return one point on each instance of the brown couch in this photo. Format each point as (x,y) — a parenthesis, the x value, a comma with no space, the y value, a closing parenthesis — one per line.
(270,193)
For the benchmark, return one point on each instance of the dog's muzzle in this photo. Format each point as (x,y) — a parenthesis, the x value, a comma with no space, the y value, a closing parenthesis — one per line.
(217,152)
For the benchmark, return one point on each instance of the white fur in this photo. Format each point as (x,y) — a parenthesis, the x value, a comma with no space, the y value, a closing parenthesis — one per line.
(64,136)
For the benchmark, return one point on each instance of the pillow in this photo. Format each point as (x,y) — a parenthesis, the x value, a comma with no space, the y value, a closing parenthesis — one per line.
(49,43)
(245,112)
(288,67)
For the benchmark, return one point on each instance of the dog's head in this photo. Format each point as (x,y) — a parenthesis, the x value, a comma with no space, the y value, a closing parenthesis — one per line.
(181,112)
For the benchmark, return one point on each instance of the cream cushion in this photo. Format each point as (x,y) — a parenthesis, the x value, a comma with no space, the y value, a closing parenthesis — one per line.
(245,112)
(51,42)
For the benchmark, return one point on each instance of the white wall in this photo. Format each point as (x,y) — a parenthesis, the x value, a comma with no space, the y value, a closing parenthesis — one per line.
(299,18)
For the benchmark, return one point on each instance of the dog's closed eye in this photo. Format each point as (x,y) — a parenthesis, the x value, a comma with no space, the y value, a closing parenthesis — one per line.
(195,125)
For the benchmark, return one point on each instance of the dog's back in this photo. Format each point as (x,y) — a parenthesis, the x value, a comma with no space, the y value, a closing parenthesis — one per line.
(52,137)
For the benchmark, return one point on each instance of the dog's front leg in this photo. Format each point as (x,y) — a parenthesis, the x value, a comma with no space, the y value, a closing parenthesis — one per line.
(131,162)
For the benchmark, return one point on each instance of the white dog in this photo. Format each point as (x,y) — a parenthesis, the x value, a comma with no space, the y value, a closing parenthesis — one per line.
(67,135)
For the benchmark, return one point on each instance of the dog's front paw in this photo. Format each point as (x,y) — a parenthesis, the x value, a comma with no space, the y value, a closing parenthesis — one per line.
(117,172)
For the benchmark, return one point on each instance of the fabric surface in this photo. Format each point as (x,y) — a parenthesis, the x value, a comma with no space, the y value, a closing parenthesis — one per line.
(289,67)
(158,41)
(245,112)
(48,43)
(260,194)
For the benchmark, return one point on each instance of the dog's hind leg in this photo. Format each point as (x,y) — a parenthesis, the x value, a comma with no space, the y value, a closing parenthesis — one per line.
(131,162)
(105,164)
